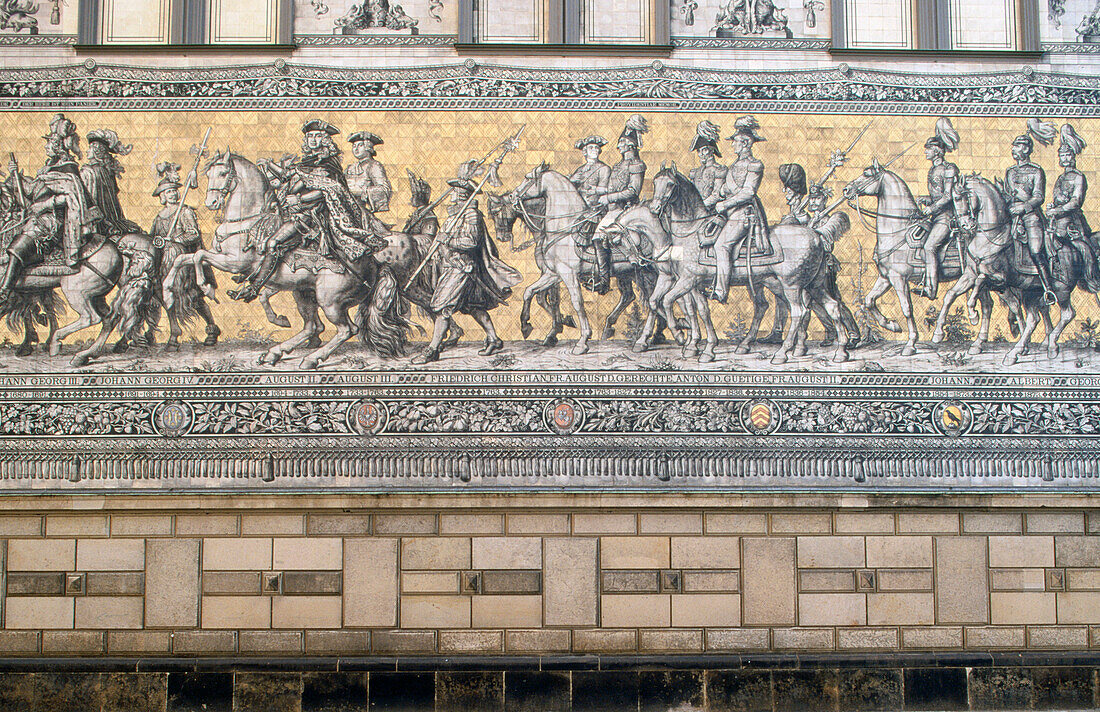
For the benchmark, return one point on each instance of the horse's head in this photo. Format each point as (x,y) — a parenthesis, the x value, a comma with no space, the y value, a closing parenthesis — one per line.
(664,187)
(504,212)
(531,187)
(221,179)
(869,183)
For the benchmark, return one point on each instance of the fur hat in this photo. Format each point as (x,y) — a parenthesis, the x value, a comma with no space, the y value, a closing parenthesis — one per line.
(793,176)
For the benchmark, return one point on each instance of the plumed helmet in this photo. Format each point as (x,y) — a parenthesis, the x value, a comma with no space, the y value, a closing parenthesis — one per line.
(747,126)
(706,134)
(636,125)
(1071,142)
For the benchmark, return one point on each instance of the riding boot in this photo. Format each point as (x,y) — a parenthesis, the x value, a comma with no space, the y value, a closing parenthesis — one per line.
(11,273)
(1044,277)
(602,283)
(252,290)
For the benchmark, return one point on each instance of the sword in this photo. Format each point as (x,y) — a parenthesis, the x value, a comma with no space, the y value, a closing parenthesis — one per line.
(509,145)
(17,181)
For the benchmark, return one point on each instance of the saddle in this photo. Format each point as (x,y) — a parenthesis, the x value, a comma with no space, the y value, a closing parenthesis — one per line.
(949,258)
(53,263)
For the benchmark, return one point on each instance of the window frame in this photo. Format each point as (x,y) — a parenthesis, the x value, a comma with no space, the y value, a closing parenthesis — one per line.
(565,27)
(188,26)
(932,29)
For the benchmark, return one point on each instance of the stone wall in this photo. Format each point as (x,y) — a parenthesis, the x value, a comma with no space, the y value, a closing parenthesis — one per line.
(514,575)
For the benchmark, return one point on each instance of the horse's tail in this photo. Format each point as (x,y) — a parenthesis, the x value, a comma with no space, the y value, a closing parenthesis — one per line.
(185,288)
(383,322)
(134,308)
(41,307)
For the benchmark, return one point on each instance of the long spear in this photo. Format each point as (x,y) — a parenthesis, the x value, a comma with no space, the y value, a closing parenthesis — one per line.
(424,210)
(835,161)
(508,145)
(186,187)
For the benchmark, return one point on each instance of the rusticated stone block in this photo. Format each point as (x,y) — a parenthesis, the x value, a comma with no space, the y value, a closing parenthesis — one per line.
(928,523)
(146,642)
(935,689)
(469,691)
(1075,607)
(109,612)
(435,611)
(739,691)
(870,690)
(429,582)
(712,581)
(70,691)
(768,581)
(1022,608)
(270,642)
(401,691)
(200,692)
(802,638)
(677,641)
(35,584)
(628,581)
(735,523)
(141,525)
(471,524)
(203,642)
(115,584)
(824,581)
(867,638)
(537,523)
(471,641)
(506,611)
(39,612)
(72,642)
(403,641)
(352,642)
(16,525)
(401,524)
(992,523)
(1018,579)
(312,583)
(18,642)
(236,612)
(719,639)
(334,692)
(569,571)
(513,582)
(932,637)
(1083,579)
(19,691)
(110,554)
(536,641)
(605,691)
(537,691)
(512,552)
(307,553)
(643,610)
(805,690)
(1077,551)
(230,582)
(986,637)
(1058,637)
(267,692)
(660,691)
(207,525)
(337,524)
(1021,551)
(370,582)
(135,692)
(595,640)
(830,552)
(1000,688)
(905,580)
(709,610)
(41,554)
(77,525)
(1055,522)
(802,523)
(962,580)
(251,554)
(827,609)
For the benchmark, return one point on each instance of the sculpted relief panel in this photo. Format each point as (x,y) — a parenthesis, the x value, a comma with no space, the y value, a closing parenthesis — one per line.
(617,298)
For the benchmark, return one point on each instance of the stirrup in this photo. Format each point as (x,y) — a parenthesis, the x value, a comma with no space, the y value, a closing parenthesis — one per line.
(1050,297)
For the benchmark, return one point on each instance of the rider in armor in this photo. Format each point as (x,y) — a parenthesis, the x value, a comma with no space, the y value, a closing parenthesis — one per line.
(623,189)
(1067,220)
(56,191)
(100,175)
(317,206)
(944,201)
(793,178)
(1025,188)
(710,174)
(746,222)
(593,175)
(367,179)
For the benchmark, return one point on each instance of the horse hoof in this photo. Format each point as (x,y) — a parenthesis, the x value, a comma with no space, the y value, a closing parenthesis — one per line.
(681,339)
(55,349)
(171,346)
(525,328)
(840,356)
(937,336)
(24,350)
(79,360)
(1052,353)
(800,351)
(211,340)
(779,359)
(972,316)
(659,338)
(689,353)
(309,364)
(638,347)
(314,342)
(270,358)
(550,341)
(580,348)
(893,326)
(974,350)
(1010,359)
(281,321)
(772,338)
(607,334)
(908,350)
(741,350)
(706,357)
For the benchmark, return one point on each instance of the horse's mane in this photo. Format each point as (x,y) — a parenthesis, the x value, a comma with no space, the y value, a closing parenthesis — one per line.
(685,198)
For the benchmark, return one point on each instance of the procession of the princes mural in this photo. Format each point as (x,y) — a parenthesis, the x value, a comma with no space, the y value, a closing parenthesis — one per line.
(689,243)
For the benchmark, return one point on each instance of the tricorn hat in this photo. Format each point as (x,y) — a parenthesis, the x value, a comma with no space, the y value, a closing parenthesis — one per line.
(110,140)
(793,176)
(593,140)
(371,138)
(319,125)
